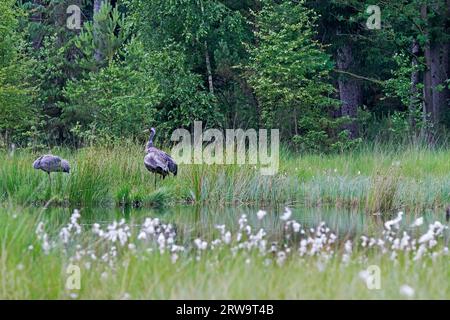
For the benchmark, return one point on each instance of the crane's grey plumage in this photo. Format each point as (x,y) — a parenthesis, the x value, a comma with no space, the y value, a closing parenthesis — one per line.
(157,161)
(50,163)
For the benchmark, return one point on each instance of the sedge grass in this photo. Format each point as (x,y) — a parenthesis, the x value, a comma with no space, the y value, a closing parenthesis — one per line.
(375,179)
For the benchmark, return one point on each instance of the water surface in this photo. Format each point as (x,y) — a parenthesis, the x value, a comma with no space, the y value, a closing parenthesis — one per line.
(200,222)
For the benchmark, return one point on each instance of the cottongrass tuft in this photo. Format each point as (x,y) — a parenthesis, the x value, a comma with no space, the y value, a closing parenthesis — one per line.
(407,291)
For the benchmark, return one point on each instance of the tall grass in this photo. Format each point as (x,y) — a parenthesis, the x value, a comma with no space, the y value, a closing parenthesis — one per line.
(384,187)
(116,176)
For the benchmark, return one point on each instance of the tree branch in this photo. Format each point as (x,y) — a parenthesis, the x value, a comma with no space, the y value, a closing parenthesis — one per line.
(380,82)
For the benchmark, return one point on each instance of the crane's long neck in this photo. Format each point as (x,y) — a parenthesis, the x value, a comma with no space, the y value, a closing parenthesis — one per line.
(150,142)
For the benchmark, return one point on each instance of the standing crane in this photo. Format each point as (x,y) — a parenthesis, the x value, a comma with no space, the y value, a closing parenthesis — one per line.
(157,161)
(50,163)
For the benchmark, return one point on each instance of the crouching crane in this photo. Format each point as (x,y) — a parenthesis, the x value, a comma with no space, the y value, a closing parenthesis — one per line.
(50,163)
(157,161)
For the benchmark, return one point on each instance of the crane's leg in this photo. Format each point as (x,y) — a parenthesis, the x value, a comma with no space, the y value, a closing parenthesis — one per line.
(50,181)
(154,179)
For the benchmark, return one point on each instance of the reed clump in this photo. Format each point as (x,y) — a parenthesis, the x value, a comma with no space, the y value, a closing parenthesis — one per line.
(383,189)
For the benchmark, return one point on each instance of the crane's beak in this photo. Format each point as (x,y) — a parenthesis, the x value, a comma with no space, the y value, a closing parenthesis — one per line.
(146,130)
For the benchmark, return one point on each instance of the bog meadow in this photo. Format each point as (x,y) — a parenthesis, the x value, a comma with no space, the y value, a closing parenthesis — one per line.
(96,204)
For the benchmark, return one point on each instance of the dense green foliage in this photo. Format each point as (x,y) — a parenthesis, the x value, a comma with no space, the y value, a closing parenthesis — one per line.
(16,112)
(313,69)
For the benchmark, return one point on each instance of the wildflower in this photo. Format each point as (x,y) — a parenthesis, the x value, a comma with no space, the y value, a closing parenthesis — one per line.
(364,275)
(348,246)
(126,296)
(404,241)
(64,234)
(142,235)
(434,230)
(227,237)
(202,245)
(287,214)
(420,252)
(363,241)
(73,295)
(242,221)
(161,242)
(260,214)
(281,257)
(395,222)
(347,252)
(417,223)
(407,291)
(221,228)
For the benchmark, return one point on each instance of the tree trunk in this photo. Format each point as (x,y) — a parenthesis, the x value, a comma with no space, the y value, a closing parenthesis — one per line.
(414,84)
(350,91)
(437,62)
(427,96)
(98,56)
(439,65)
(37,18)
(208,69)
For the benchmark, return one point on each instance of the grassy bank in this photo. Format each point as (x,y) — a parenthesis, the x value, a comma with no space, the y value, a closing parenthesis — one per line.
(149,260)
(378,180)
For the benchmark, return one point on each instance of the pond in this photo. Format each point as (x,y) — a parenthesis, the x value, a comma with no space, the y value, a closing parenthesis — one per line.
(192,222)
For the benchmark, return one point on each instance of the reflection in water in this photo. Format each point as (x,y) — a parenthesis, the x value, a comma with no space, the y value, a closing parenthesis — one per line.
(200,222)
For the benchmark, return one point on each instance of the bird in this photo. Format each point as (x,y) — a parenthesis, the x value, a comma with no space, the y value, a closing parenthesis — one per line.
(50,163)
(157,161)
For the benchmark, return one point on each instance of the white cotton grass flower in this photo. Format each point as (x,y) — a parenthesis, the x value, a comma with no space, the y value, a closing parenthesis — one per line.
(126,296)
(434,230)
(73,295)
(201,245)
(364,275)
(417,223)
(281,257)
(407,291)
(227,237)
(287,214)
(261,214)
(395,222)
